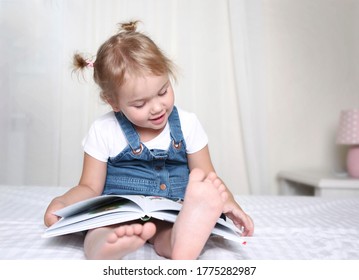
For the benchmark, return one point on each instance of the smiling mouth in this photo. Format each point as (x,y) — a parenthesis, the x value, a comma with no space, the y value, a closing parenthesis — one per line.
(158,119)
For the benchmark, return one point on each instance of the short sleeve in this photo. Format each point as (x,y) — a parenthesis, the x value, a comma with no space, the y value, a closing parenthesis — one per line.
(195,136)
(105,138)
(95,145)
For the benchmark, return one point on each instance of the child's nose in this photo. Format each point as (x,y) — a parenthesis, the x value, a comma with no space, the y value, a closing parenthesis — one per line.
(156,107)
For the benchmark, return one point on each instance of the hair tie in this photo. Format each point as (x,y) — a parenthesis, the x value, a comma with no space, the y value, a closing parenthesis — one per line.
(89,63)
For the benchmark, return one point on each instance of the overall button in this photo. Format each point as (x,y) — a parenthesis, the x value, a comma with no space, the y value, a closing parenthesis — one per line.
(163,187)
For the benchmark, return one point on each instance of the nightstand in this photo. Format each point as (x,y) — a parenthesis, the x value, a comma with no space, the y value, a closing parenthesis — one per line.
(317,184)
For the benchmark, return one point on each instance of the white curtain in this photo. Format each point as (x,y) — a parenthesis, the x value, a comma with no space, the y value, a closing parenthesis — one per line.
(248,42)
(45,111)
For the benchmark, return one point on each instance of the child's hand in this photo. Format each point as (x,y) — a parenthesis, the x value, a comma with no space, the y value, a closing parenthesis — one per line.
(50,218)
(239,218)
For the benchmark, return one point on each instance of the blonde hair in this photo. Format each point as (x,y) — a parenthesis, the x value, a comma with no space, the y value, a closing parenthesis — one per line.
(127,53)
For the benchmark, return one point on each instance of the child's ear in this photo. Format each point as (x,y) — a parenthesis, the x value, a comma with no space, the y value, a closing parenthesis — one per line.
(113,104)
(115,109)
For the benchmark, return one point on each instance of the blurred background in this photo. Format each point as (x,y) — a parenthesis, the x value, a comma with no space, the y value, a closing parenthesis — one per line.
(267,79)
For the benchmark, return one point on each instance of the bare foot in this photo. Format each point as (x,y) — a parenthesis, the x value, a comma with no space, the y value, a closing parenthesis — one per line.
(202,206)
(117,242)
(218,184)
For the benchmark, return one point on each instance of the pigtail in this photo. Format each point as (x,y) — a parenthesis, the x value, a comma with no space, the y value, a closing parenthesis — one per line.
(80,62)
(129,26)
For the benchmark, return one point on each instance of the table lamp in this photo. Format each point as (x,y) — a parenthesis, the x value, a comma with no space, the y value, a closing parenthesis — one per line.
(348,134)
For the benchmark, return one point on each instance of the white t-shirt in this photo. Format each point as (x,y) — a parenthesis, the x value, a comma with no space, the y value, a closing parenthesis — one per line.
(106,139)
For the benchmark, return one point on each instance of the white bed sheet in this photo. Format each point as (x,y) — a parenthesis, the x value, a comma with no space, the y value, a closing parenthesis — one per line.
(286,227)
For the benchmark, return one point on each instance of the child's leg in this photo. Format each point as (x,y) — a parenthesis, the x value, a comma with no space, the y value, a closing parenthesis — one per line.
(202,206)
(117,241)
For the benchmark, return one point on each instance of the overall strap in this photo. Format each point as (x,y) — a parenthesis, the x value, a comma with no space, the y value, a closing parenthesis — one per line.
(130,132)
(175,126)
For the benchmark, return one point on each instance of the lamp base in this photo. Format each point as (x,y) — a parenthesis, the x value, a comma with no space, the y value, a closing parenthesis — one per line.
(353,161)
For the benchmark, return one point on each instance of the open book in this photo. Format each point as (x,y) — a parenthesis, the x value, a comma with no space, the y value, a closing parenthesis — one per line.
(113,209)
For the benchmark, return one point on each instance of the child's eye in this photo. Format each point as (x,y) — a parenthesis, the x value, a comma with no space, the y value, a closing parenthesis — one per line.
(162,93)
(139,105)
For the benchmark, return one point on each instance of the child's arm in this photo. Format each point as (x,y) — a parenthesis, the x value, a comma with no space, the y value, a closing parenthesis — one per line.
(91,184)
(202,160)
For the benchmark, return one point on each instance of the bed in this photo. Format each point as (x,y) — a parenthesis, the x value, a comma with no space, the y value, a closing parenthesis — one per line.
(286,228)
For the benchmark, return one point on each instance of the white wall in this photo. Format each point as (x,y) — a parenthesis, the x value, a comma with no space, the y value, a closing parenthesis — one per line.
(312,63)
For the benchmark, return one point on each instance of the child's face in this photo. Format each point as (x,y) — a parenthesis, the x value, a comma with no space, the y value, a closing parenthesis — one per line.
(147,101)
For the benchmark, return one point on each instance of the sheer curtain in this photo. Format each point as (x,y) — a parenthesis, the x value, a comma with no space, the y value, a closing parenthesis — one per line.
(248,42)
(30,68)
(46,111)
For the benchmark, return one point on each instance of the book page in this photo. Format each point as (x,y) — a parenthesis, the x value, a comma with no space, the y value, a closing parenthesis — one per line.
(88,205)
(154,203)
(123,207)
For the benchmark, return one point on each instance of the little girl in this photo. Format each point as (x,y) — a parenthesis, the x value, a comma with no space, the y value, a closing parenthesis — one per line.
(147,146)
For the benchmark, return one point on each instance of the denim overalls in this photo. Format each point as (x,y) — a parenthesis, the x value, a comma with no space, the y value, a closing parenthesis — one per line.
(138,170)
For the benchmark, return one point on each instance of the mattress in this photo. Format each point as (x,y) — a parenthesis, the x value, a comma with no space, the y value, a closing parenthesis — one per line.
(286,228)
